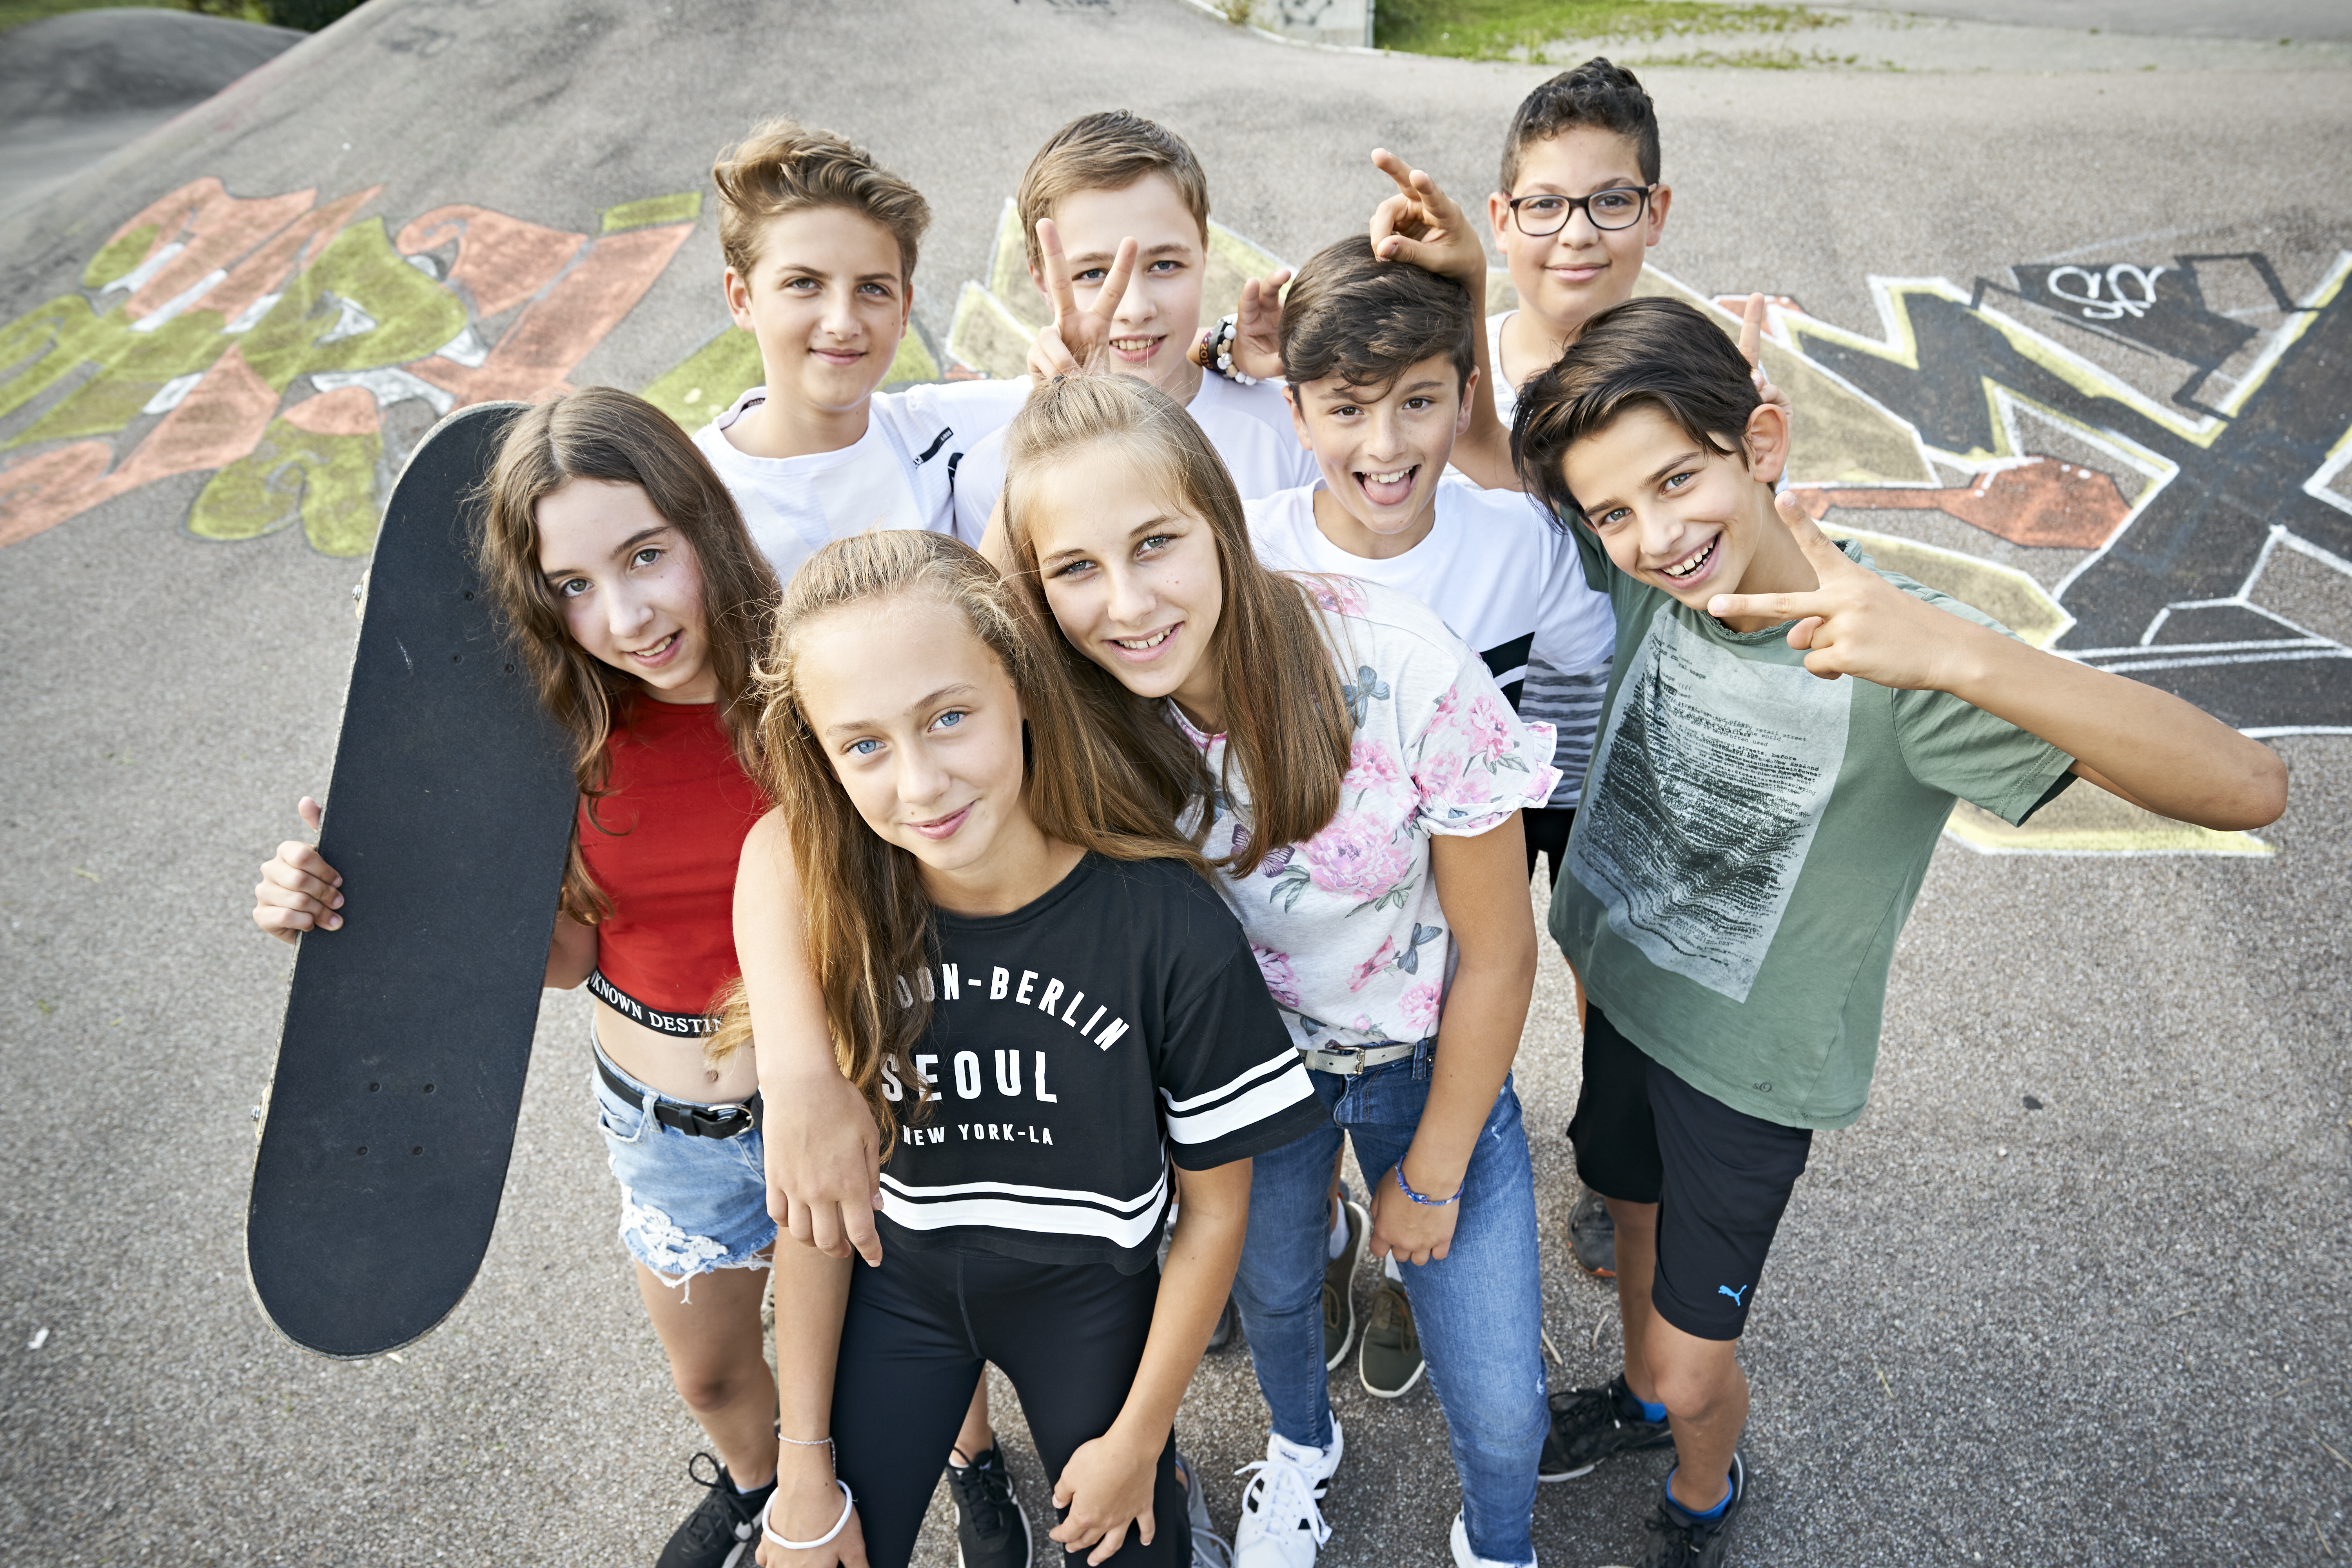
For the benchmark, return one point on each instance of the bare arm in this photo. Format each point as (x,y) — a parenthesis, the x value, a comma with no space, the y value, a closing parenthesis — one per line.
(824,1150)
(2146,745)
(1494,930)
(1108,1482)
(812,1294)
(571,955)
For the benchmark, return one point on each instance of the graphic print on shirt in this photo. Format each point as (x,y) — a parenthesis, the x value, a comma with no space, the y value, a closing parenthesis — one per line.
(1710,783)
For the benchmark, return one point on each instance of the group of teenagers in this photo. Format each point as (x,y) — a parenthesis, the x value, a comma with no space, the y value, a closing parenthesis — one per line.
(1028,827)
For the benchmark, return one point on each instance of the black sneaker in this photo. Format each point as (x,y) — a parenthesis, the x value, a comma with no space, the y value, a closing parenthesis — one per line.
(1592,1235)
(991,1530)
(1589,1425)
(723,1531)
(1339,1278)
(1676,1540)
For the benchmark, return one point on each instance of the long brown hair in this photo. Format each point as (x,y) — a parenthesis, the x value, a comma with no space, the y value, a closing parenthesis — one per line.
(602,433)
(867,917)
(1286,724)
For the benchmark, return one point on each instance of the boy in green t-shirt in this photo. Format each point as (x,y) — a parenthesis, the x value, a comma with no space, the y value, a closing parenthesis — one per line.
(1753,832)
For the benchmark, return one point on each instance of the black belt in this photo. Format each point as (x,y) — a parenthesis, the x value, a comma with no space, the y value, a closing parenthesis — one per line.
(684,1115)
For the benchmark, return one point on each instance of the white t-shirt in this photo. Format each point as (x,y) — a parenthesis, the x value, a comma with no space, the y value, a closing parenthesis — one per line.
(1249,426)
(1346,927)
(1503,580)
(900,474)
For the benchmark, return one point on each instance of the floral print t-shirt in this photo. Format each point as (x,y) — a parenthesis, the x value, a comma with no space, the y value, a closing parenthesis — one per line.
(1347,926)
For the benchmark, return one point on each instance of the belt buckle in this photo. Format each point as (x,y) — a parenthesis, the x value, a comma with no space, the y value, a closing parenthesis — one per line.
(719,1121)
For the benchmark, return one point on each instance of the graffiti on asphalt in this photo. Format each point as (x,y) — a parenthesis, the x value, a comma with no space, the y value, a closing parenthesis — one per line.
(265,341)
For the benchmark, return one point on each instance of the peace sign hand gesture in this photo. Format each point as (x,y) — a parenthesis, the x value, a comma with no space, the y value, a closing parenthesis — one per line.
(1751,349)
(1077,337)
(1857,622)
(1423,224)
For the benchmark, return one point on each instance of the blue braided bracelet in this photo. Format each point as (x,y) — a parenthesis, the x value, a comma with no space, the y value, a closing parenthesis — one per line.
(1406,1188)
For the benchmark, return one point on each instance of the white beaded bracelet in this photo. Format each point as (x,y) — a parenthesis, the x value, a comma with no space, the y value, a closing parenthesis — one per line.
(848,1505)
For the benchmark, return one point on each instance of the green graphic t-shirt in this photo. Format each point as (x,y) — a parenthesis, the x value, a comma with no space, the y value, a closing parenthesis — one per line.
(1751,839)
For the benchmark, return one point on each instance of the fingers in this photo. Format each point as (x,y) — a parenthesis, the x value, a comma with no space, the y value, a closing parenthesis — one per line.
(1114,287)
(1058,276)
(819,1226)
(857,1227)
(1396,168)
(1112,1540)
(1752,330)
(1814,542)
(1049,356)
(1775,608)
(310,812)
(1800,636)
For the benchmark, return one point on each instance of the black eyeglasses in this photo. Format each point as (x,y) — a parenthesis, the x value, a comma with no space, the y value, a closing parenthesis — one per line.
(1620,207)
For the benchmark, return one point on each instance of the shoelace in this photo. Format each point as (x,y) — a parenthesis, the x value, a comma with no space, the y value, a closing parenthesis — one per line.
(994,1488)
(1391,1313)
(742,1516)
(1283,1491)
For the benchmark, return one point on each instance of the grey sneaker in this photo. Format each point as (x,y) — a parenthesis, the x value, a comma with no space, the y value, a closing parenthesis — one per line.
(1592,1235)
(1209,1549)
(1676,1540)
(1339,1276)
(1391,1364)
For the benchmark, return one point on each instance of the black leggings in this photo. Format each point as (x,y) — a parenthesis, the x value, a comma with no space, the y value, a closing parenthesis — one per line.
(1546,830)
(1069,1336)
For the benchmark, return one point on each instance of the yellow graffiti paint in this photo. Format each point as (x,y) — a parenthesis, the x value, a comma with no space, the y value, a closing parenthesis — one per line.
(326,480)
(118,258)
(359,306)
(2087,820)
(683,207)
(2004,592)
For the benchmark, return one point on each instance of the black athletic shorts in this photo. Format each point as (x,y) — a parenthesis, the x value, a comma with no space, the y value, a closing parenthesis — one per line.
(1720,1177)
(1547,829)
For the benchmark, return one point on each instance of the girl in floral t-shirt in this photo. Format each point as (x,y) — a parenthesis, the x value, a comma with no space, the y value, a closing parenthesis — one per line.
(1358,779)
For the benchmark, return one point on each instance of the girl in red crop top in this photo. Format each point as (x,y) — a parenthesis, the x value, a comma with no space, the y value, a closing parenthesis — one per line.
(632,588)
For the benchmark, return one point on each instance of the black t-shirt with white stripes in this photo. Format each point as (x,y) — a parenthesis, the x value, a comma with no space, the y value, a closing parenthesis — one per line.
(1076,1045)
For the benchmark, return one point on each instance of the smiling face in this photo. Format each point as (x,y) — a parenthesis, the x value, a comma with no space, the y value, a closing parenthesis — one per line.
(1131,575)
(829,301)
(1160,314)
(629,586)
(1381,452)
(922,726)
(1567,278)
(1686,518)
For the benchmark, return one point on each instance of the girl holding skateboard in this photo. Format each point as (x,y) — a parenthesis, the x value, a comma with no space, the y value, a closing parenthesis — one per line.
(635,596)
(975,908)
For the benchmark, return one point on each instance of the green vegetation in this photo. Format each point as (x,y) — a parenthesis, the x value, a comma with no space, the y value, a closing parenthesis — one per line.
(16,13)
(310,15)
(1523,29)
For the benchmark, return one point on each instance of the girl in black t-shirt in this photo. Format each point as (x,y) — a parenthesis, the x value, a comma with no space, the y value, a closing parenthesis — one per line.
(1044,1005)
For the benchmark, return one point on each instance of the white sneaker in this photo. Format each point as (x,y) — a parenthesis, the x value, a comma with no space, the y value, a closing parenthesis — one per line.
(1282,1520)
(1462,1554)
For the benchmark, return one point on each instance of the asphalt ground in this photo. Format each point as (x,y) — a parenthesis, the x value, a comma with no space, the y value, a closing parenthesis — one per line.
(2109,1331)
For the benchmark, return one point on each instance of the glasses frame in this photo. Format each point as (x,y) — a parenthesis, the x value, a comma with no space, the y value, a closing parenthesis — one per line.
(1584,205)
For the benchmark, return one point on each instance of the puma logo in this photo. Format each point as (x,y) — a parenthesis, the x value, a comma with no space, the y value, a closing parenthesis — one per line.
(1735,1295)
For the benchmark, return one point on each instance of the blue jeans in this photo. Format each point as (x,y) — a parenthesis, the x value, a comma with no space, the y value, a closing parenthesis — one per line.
(1479,1310)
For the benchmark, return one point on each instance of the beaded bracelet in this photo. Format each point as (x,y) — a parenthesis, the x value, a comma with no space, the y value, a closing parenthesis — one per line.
(1406,1188)
(848,1505)
(1217,342)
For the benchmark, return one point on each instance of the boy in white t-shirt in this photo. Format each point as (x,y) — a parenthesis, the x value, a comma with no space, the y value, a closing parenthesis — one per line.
(820,243)
(1099,180)
(1380,360)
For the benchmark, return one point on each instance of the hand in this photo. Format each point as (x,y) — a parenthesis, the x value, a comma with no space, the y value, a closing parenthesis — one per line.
(825,1165)
(803,1508)
(1857,622)
(1080,335)
(297,891)
(1423,224)
(1412,1232)
(1751,349)
(1257,326)
(1106,1485)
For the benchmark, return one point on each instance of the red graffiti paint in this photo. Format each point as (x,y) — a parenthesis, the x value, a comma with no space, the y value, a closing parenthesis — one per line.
(346,411)
(501,261)
(2040,501)
(40,492)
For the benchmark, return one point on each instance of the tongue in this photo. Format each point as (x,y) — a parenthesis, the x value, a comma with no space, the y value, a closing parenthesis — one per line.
(1387,492)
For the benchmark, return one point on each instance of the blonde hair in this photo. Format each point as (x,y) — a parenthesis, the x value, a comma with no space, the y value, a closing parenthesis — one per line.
(1106,152)
(783,167)
(867,917)
(603,433)
(1288,726)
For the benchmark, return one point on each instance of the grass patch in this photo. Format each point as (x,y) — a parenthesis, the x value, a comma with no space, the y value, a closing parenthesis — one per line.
(16,13)
(1521,29)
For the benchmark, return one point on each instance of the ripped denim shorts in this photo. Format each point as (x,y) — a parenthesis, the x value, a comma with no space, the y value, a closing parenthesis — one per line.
(687,1205)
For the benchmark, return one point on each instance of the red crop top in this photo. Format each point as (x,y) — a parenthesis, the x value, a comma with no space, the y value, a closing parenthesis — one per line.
(663,845)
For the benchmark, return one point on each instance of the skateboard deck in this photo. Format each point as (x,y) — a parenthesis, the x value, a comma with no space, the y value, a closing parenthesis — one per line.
(407,1032)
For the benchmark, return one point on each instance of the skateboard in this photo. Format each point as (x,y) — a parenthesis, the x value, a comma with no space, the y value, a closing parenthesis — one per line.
(400,1064)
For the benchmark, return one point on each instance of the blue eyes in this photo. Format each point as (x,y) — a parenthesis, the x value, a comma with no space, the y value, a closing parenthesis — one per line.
(864,748)
(949,721)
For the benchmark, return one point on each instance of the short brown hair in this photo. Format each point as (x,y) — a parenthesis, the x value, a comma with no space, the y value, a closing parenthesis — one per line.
(783,167)
(1349,315)
(1656,353)
(1596,93)
(1106,152)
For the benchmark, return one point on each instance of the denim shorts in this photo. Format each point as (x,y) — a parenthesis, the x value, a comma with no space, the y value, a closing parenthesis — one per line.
(687,1205)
